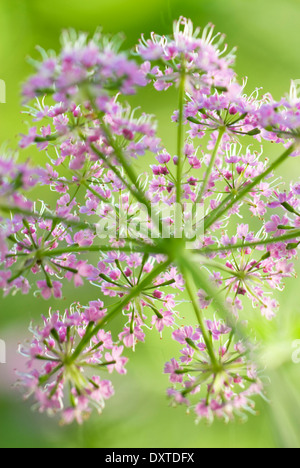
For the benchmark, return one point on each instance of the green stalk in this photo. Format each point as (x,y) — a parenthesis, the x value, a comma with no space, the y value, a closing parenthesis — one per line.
(113,169)
(190,266)
(211,164)
(190,287)
(94,192)
(136,291)
(128,169)
(123,160)
(47,276)
(20,272)
(220,211)
(180,137)
(17,210)
(136,192)
(98,248)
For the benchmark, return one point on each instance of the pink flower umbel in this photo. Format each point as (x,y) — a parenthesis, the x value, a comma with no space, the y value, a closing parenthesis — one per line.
(223,387)
(189,245)
(61,358)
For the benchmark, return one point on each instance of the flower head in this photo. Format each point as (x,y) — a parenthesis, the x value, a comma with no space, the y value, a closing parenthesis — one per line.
(220,388)
(58,367)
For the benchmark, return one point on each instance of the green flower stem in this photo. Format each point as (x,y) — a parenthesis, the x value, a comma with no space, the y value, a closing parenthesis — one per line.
(26,225)
(135,292)
(139,194)
(98,248)
(125,164)
(71,270)
(47,276)
(110,281)
(39,139)
(20,272)
(167,283)
(211,165)
(180,136)
(94,248)
(190,265)
(94,192)
(221,210)
(17,255)
(17,210)
(113,169)
(94,348)
(198,382)
(190,287)
(45,358)
(213,264)
(96,366)
(136,191)
(44,378)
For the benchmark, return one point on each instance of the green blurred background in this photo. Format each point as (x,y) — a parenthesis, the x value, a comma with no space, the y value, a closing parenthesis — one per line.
(268,38)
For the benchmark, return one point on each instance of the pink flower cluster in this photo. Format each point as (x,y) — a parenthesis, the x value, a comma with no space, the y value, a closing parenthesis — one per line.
(204,57)
(234,242)
(60,381)
(252,272)
(218,394)
(16,178)
(119,273)
(81,61)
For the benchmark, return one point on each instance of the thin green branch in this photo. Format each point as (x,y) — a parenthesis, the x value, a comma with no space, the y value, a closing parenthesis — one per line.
(190,265)
(190,287)
(94,192)
(180,137)
(211,164)
(100,248)
(221,210)
(133,293)
(32,214)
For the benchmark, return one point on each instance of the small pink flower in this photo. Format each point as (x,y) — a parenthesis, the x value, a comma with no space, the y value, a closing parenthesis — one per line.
(129,339)
(47,292)
(79,414)
(27,140)
(120,362)
(187,332)
(170,368)
(84,270)
(84,238)
(167,320)
(202,410)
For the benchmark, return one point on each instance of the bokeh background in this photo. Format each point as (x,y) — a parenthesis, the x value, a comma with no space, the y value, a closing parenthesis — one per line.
(268,38)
